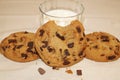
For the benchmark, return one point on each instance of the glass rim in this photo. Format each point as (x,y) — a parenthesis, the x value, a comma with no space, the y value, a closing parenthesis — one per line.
(42,11)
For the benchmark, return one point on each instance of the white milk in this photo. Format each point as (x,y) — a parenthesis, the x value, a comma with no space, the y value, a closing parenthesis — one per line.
(60,16)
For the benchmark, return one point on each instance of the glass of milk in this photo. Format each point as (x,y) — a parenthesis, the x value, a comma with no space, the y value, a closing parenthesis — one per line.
(61,11)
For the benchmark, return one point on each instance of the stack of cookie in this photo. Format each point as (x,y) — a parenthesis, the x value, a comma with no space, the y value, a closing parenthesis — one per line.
(61,46)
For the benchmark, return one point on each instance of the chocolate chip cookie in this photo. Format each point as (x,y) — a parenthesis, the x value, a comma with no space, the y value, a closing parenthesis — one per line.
(102,47)
(60,46)
(19,47)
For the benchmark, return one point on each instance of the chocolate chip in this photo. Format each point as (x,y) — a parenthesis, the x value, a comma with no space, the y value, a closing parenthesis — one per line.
(12,41)
(111,57)
(26,32)
(105,38)
(45,44)
(29,50)
(41,49)
(59,36)
(30,44)
(19,46)
(102,55)
(24,56)
(60,50)
(66,52)
(50,49)
(66,62)
(48,62)
(87,39)
(79,72)
(70,45)
(41,71)
(78,29)
(75,59)
(80,53)
(41,32)
(81,39)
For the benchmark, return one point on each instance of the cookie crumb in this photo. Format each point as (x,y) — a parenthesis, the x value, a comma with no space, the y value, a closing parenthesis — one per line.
(41,71)
(79,72)
(69,71)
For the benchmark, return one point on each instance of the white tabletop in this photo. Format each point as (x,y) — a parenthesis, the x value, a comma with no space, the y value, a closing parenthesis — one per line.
(99,15)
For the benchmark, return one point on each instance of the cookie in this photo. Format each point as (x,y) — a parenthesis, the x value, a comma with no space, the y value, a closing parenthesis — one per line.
(102,47)
(19,47)
(60,46)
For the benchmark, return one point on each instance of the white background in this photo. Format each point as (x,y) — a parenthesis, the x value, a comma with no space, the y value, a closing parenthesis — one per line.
(99,15)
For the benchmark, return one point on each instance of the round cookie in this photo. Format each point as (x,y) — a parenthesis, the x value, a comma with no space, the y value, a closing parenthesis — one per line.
(60,46)
(19,47)
(102,47)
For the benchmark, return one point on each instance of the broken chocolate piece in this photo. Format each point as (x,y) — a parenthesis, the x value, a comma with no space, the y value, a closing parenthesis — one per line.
(105,38)
(66,52)
(12,41)
(78,29)
(41,32)
(79,72)
(41,71)
(59,36)
(111,57)
(24,56)
(70,45)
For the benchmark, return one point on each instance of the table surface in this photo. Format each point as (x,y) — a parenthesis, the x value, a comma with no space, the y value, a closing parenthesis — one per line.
(99,15)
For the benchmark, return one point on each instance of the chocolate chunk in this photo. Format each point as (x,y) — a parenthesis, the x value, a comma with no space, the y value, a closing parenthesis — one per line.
(30,44)
(30,50)
(26,32)
(19,46)
(59,36)
(87,39)
(78,29)
(41,32)
(50,49)
(60,50)
(41,49)
(24,56)
(79,72)
(12,41)
(45,44)
(48,62)
(80,53)
(66,52)
(81,39)
(66,62)
(105,38)
(111,57)
(41,71)
(70,45)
